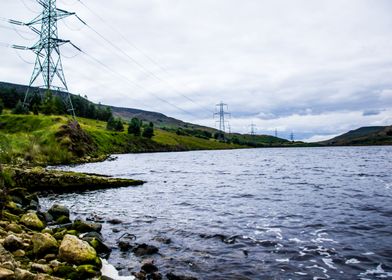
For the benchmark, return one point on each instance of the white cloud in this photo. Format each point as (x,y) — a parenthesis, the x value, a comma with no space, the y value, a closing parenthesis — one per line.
(312,66)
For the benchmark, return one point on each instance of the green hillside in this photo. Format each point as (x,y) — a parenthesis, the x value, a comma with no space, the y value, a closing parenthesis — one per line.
(55,139)
(373,135)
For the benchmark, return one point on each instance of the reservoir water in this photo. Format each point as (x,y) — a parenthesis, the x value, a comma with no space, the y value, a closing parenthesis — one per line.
(306,213)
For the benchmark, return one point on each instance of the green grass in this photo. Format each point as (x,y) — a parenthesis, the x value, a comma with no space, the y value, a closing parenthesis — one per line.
(35,139)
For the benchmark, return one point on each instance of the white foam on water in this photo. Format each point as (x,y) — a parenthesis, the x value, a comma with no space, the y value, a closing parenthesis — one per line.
(301,273)
(368,253)
(352,261)
(282,260)
(379,271)
(329,263)
(110,271)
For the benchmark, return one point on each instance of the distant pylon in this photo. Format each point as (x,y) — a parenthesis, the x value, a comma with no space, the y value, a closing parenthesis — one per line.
(292,136)
(252,129)
(48,59)
(276,132)
(222,114)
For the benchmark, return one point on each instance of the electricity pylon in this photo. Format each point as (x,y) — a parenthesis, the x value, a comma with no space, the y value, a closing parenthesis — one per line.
(292,136)
(253,129)
(48,59)
(222,114)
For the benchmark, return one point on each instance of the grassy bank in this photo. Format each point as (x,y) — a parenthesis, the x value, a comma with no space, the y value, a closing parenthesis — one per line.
(51,140)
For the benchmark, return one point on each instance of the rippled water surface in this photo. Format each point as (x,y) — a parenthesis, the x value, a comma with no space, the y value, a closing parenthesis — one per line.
(309,213)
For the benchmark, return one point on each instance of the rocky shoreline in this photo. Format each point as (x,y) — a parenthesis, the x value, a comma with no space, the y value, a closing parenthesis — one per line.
(47,245)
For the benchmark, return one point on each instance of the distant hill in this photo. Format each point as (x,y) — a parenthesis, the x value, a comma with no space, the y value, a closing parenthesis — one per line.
(372,135)
(159,120)
(167,123)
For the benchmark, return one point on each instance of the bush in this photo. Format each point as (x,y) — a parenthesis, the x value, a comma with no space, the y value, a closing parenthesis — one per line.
(135,126)
(148,131)
(20,109)
(115,124)
(1,106)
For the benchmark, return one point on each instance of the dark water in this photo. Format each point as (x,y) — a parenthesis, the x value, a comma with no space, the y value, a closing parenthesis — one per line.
(309,213)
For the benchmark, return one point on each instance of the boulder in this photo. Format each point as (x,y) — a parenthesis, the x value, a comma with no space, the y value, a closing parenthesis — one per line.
(15,228)
(76,251)
(6,274)
(6,256)
(13,243)
(32,221)
(21,274)
(44,268)
(44,243)
(57,211)
(82,226)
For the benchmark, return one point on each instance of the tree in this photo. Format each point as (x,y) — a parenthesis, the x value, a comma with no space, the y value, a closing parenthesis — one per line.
(1,106)
(115,124)
(20,109)
(48,106)
(119,125)
(111,124)
(148,131)
(134,127)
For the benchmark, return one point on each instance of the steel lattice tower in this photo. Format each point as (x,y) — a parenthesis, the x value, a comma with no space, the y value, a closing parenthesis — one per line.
(48,59)
(222,113)
(253,129)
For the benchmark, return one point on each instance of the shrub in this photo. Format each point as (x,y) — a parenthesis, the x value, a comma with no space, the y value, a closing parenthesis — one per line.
(1,106)
(148,131)
(134,127)
(20,109)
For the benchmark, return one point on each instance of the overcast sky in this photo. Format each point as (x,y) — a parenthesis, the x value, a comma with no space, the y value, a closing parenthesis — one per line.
(316,67)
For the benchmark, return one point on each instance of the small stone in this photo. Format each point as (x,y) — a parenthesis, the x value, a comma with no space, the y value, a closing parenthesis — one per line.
(46,277)
(124,246)
(115,221)
(19,253)
(75,251)
(13,243)
(8,265)
(144,249)
(32,221)
(148,266)
(163,240)
(50,257)
(156,276)
(6,274)
(44,268)
(15,228)
(21,274)
(44,243)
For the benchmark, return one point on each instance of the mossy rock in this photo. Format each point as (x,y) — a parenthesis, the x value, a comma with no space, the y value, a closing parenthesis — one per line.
(32,221)
(10,217)
(15,228)
(82,226)
(57,211)
(73,232)
(88,271)
(76,251)
(63,220)
(59,235)
(44,243)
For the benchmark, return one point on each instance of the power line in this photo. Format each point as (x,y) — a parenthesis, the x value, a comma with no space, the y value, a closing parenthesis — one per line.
(152,74)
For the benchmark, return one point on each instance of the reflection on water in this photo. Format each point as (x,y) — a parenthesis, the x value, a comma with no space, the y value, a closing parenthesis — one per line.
(309,213)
